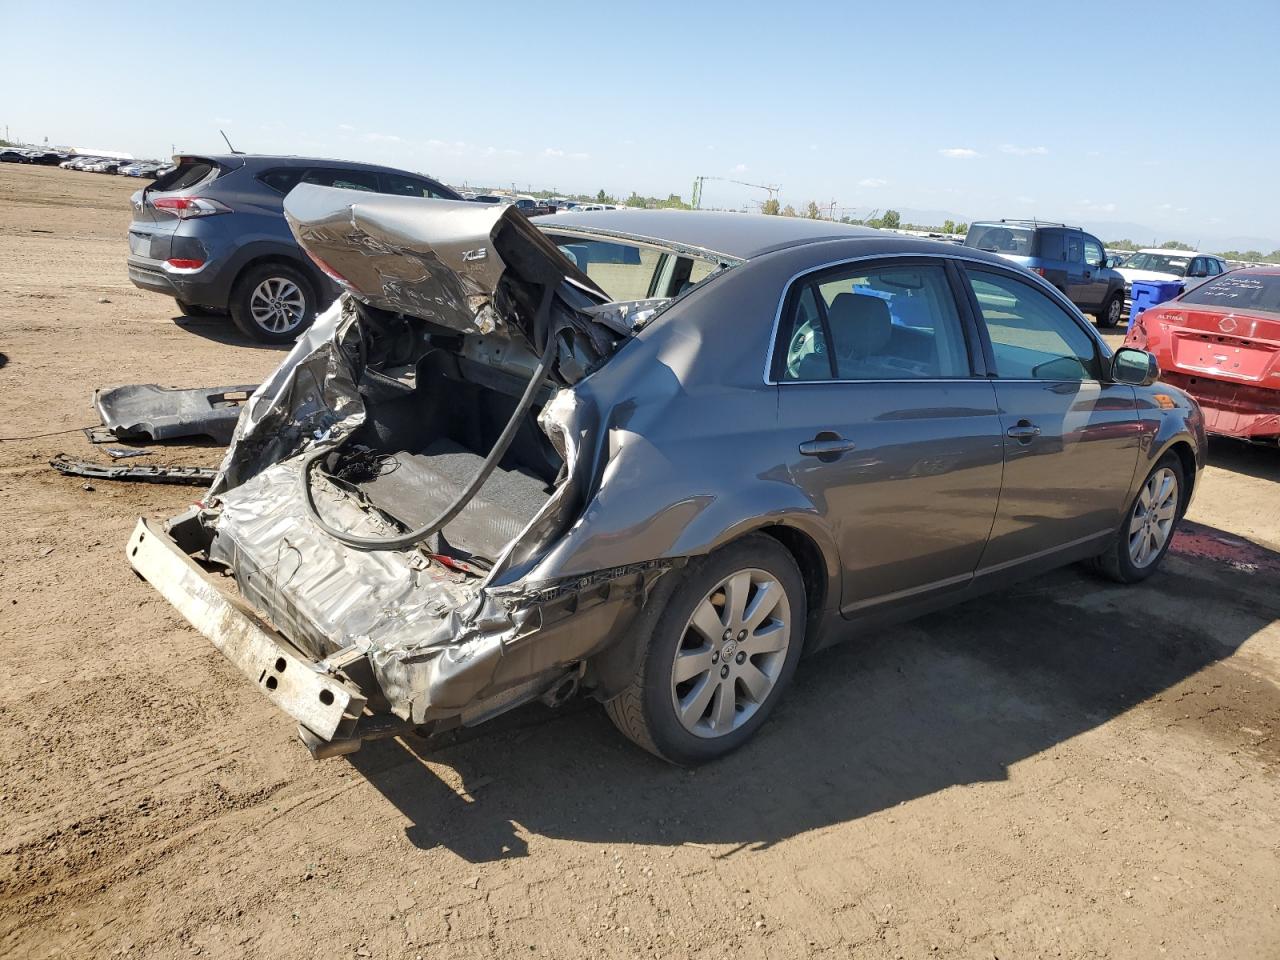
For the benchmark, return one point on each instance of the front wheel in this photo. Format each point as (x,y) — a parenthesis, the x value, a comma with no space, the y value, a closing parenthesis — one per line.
(1149,526)
(272,303)
(721,654)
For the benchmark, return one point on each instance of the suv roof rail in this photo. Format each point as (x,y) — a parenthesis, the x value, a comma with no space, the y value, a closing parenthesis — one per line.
(1042,223)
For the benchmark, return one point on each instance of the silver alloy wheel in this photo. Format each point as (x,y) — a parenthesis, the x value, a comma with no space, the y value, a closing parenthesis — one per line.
(1113,311)
(731,653)
(1153,517)
(277,305)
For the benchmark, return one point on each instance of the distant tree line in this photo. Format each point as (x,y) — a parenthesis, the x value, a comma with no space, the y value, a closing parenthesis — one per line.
(1256,256)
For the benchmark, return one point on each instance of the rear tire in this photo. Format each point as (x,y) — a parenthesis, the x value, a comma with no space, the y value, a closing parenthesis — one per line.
(1148,526)
(721,654)
(272,303)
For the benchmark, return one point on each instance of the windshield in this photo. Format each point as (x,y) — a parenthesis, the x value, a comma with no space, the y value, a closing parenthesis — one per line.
(1258,293)
(1001,238)
(1174,263)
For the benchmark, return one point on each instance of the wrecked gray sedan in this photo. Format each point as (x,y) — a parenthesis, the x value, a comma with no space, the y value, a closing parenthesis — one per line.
(649,456)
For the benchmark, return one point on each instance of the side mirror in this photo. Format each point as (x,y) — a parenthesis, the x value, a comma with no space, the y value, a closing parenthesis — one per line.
(1135,367)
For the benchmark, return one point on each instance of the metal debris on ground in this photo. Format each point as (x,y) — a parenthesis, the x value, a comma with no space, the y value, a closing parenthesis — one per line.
(120,453)
(197,476)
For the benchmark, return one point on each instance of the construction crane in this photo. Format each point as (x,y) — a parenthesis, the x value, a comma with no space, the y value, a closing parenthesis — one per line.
(698,182)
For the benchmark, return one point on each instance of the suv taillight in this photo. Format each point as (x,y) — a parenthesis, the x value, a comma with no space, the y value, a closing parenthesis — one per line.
(1039,270)
(187,208)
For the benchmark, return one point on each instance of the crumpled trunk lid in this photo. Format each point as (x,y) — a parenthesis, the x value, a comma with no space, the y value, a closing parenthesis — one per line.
(468,267)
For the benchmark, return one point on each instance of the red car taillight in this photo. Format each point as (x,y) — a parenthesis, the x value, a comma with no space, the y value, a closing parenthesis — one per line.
(180,264)
(1039,270)
(187,208)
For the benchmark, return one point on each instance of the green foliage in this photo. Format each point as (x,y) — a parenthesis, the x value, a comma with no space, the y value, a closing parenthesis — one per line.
(1120,245)
(948,226)
(962,228)
(770,207)
(891,220)
(635,200)
(788,211)
(1175,245)
(811,211)
(603,197)
(1253,255)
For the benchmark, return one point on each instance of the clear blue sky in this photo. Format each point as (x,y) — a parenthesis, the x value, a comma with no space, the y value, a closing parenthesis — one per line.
(1161,114)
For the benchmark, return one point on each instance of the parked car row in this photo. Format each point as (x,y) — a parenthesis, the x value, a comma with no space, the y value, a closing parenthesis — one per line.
(125,168)
(31,155)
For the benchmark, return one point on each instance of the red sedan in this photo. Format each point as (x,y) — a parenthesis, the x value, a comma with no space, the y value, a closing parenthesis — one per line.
(1220,342)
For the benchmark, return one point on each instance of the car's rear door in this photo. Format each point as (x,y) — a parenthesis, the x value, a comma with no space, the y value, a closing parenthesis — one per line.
(891,431)
(1071,436)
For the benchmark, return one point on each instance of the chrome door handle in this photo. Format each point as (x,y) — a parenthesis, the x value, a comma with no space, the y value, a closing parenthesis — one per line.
(828,447)
(1023,430)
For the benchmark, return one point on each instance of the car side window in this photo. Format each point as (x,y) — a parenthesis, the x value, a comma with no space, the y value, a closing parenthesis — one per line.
(1074,248)
(1031,336)
(402,186)
(345,179)
(282,180)
(1093,254)
(861,322)
(624,271)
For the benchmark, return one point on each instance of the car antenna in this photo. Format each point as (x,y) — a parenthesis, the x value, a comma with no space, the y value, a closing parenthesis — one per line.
(229,147)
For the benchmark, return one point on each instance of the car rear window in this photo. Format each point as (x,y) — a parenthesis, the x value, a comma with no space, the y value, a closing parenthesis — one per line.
(1240,291)
(1001,238)
(188,172)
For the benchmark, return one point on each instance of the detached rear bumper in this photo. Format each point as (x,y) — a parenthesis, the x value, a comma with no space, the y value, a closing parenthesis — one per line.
(324,702)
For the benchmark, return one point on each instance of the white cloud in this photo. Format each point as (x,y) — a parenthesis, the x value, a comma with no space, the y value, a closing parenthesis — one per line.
(960,153)
(346,126)
(1017,151)
(1089,206)
(557,153)
(223,121)
(872,182)
(739,168)
(1025,199)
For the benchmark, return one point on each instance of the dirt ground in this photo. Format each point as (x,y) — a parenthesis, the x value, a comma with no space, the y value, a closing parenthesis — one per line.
(1067,769)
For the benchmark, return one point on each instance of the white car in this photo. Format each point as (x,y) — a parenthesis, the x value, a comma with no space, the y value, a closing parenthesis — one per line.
(1189,267)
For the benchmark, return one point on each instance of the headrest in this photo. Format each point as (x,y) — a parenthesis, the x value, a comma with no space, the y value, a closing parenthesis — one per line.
(860,325)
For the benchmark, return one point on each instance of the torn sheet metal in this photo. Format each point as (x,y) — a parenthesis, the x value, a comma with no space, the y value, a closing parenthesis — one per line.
(149,412)
(195,476)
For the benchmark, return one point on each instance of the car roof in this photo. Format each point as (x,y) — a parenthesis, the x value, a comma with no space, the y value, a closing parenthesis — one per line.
(738,235)
(263,159)
(1174,253)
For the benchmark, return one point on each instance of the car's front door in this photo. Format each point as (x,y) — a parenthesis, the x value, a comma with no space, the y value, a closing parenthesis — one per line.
(889,432)
(1071,436)
(1095,272)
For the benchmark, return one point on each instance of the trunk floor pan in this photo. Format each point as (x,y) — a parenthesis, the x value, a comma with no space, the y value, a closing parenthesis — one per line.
(417,487)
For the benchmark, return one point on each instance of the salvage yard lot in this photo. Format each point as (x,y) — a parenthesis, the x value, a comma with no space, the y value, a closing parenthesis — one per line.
(1070,768)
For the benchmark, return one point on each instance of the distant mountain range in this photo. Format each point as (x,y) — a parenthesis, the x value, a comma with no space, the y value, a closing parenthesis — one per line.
(1109,230)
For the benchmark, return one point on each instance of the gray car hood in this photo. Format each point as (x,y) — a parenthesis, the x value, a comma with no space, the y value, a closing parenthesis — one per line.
(469,267)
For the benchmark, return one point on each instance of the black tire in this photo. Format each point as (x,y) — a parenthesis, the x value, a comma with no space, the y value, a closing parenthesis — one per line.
(645,711)
(1112,310)
(242,302)
(1117,562)
(195,310)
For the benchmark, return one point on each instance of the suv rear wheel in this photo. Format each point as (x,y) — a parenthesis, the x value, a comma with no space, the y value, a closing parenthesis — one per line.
(721,654)
(272,303)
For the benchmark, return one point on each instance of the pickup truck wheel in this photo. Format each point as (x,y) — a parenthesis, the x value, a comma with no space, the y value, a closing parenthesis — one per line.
(1109,315)
(1148,526)
(721,654)
(272,303)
